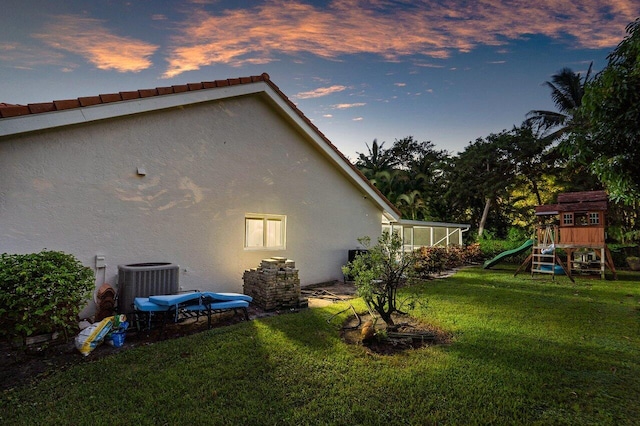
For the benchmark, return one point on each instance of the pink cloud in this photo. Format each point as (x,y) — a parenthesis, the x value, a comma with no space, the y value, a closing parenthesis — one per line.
(346,106)
(322,91)
(421,27)
(88,38)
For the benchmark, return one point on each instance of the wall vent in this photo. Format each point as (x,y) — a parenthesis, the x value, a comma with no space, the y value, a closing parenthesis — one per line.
(144,280)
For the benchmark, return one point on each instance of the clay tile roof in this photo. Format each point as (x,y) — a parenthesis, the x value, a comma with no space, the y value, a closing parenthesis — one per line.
(90,100)
(165,90)
(8,110)
(146,93)
(129,95)
(13,110)
(42,107)
(67,104)
(110,97)
(180,88)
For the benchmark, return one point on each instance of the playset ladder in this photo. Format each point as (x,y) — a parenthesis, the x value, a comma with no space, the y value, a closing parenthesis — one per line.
(543,258)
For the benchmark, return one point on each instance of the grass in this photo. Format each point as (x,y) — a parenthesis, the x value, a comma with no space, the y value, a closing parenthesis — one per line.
(525,351)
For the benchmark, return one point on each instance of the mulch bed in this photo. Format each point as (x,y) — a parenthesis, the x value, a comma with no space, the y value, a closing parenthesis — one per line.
(409,334)
(19,367)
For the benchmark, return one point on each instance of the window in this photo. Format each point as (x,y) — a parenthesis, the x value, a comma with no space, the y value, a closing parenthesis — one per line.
(581,219)
(567,218)
(594,218)
(265,231)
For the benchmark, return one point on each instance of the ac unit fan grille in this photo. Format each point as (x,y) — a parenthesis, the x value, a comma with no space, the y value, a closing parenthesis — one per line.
(144,280)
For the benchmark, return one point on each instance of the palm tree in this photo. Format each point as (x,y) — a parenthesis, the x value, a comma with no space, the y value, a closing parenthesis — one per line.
(412,205)
(377,160)
(567,90)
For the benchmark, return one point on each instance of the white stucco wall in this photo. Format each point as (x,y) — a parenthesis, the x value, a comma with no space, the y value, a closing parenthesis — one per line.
(76,190)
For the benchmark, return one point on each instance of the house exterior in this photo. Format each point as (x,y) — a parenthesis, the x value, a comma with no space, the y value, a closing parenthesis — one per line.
(212,176)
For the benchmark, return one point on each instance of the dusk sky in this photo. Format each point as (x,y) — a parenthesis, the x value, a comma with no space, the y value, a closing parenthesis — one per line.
(446,71)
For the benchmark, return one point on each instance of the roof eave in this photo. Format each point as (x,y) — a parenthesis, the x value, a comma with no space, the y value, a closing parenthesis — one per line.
(48,120)
(402,222)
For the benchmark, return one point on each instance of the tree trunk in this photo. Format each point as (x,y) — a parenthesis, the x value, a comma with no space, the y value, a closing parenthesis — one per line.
(536,191)
(485,214)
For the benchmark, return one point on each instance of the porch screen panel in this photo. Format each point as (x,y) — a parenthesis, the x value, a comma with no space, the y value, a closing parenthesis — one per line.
(454,236)
(440,237)
(422,237)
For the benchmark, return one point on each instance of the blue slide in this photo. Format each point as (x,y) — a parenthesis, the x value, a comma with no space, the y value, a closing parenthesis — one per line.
(524,247)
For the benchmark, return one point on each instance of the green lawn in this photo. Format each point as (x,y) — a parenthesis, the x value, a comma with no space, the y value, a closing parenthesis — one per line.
(525,351)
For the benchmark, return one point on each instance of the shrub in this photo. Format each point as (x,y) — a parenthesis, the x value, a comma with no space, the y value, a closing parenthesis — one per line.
(431,260)
(491,248)
(379,272)
(435,260)
(620,252)
(473,253)
(518,235)
(42,293)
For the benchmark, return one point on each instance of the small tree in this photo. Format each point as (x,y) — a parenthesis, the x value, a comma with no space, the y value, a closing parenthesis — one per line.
(379,273)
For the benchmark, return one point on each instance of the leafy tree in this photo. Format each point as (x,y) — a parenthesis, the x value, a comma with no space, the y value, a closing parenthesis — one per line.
(611,110)
(380,272)
(567,91)
(429,176)
(530,156)
(486,175)
(409,174)
(481,175)
(407,151)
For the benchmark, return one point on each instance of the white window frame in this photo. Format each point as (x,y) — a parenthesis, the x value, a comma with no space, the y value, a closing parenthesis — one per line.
(266,218)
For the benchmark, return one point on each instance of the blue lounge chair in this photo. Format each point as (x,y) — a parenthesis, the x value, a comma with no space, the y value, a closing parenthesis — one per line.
(143,307)
(186,305)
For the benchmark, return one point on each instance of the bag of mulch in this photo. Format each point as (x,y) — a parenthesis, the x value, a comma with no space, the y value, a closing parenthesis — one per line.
(118,331)
(91,337)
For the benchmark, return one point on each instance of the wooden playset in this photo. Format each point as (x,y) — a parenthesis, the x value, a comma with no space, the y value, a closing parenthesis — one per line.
(576,224)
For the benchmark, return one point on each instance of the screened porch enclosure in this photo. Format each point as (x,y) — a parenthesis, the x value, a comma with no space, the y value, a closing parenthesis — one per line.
(416,234)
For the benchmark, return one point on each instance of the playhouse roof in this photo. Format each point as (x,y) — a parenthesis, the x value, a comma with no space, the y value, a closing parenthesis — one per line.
(576,202)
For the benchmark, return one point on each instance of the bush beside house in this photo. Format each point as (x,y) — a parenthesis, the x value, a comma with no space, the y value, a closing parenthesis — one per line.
(42,293)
